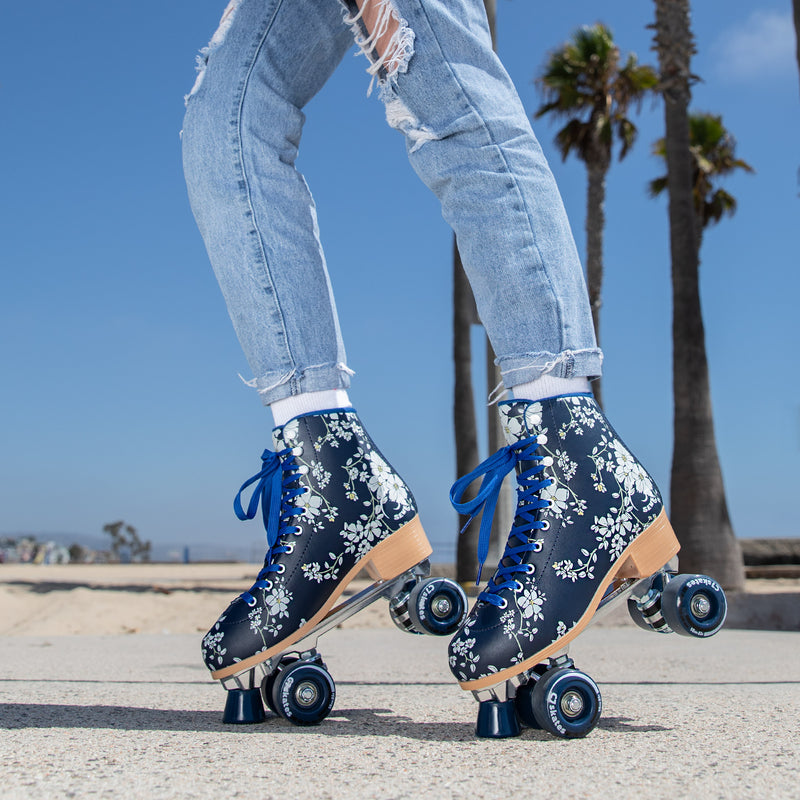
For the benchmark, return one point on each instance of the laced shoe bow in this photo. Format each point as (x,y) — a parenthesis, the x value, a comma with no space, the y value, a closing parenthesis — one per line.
(274,492)
(494,470)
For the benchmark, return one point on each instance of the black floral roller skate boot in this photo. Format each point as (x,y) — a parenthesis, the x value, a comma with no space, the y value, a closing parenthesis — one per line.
(331,506)
(590,530)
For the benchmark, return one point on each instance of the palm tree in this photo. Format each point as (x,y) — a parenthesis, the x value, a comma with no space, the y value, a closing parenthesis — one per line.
(697,495)
(586,83)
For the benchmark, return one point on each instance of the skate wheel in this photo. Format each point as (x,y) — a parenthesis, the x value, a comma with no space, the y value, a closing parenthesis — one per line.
(566,703)
(304,693)
(694,605)
(524,705)
(645,610)
(522,700)
(398,610)
(637,615)
(650,618)
(269,681)
(437,606)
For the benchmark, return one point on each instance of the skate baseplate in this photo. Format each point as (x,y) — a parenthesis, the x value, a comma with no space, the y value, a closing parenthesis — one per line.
(296,684)
(556,697)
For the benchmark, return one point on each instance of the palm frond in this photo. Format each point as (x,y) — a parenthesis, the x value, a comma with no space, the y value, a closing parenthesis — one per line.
(718,205)
(656,186)
(626,133)
(713,151)
(574,136)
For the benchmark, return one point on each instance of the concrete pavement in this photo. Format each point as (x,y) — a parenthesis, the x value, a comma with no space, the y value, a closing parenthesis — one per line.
(137,716)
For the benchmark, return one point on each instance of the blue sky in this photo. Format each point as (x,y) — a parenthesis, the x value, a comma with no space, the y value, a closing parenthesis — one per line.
(120,395)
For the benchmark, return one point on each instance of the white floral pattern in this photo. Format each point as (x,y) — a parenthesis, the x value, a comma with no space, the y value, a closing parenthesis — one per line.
(212,644)
(599,499)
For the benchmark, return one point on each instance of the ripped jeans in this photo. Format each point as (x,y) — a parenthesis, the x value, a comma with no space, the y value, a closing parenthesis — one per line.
(467,137)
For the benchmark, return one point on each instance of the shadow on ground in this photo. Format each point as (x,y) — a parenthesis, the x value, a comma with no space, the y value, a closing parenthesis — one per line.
(342,722)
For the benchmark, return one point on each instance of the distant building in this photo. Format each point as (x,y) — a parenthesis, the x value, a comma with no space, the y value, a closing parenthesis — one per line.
(26,550)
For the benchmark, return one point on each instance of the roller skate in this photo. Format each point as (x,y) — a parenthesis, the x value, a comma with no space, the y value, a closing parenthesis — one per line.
(332,506)
(590,532)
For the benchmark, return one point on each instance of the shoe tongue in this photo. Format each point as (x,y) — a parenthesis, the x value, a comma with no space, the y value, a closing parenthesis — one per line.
(520,419)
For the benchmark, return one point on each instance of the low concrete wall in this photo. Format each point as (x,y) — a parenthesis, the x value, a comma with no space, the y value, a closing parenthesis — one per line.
(767,611)
(761,552)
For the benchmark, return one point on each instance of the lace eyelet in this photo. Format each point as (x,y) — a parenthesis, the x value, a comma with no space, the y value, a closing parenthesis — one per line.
(504,604)
(281,569)
(252,605)
(529,568)
(297,530)
(289,547)
(518,587)
(267,585)
(547,461)
(545,525)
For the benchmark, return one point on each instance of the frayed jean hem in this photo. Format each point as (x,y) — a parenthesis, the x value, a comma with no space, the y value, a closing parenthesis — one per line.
(319,378)
(525,367)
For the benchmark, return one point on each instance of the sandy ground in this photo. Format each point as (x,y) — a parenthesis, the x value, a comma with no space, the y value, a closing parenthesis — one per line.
(101,599)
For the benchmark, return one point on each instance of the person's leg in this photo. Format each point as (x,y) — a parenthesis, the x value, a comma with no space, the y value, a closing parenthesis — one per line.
(331,503)
(469,139)
(587,511)
(241,135)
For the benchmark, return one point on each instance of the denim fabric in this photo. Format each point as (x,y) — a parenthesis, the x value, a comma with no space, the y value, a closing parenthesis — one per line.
(468,138)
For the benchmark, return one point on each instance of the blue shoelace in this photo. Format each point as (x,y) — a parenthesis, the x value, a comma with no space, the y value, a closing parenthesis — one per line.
(494,471)
(274,492)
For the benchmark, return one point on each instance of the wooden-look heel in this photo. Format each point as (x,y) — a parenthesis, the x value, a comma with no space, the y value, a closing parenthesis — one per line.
(401,551)
(651,550)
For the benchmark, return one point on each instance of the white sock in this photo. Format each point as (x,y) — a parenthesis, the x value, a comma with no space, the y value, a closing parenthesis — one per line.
(549,386)
(307,403)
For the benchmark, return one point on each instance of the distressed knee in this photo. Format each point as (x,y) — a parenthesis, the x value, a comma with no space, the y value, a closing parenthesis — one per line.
(216,40)
(400,117)
(387,41)
(383,36)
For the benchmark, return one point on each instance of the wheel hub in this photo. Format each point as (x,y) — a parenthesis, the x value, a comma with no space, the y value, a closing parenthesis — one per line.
(306,694)
(701,606)
(441,606)
(572,704)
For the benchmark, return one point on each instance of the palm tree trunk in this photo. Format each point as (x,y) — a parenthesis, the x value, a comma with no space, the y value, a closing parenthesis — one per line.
(491,16)
(697,495)
(464,423)
(504,510)
(796,5)
(595,225)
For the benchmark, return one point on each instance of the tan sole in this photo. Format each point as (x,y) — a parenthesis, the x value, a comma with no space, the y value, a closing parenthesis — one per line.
(646,554)
(401,551)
